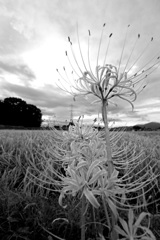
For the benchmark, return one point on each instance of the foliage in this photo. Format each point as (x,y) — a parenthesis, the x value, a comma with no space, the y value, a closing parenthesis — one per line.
(130,231)
(30,204)
(16,112)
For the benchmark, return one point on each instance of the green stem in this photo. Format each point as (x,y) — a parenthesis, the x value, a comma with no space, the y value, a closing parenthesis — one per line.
(111,223)
(83,218)
(107,138)
(94,230)
(106,213)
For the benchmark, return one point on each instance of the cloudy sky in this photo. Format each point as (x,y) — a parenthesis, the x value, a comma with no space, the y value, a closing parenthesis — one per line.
(34,38)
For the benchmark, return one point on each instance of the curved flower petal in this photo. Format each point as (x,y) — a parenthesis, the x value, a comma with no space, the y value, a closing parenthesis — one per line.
(61,196)
(92,166)
(96,176)
(91,198)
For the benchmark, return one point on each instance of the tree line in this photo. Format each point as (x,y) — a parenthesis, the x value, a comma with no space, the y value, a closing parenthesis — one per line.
(16,112)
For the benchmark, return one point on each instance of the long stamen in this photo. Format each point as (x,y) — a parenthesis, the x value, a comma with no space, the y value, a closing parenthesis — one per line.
(64,88)
(81,51)
(145,71)
(89,34)
(123,49)
(107,49)
(68,80)
(61,75)
(131,53)
(105,56)
(142,68)
(71,64)
(99,47)
(140,88)
(73,54)
(140,55)
(153,70)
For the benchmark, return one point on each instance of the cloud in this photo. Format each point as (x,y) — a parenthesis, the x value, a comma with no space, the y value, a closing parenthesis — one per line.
(32,45)
(47,98)
(11,41)
(17,68)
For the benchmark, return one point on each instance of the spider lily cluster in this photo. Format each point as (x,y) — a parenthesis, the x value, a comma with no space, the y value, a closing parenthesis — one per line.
(86,167)
(108,81)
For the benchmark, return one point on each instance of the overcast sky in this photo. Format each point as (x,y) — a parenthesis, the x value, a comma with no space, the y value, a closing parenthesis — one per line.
(34,38)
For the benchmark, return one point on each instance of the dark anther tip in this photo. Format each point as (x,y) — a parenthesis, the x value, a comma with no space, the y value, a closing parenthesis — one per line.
(110,35)
(128,25)
(69,39)
(89,32)
(104,25)
(66,53)
(152,39)
(138,35)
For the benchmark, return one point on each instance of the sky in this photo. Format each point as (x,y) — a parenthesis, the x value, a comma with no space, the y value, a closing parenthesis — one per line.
(34,38)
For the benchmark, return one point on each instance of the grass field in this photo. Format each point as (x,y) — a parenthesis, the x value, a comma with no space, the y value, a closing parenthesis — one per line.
(29,207)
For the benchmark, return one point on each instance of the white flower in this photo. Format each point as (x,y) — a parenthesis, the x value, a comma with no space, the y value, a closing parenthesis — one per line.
(109,81)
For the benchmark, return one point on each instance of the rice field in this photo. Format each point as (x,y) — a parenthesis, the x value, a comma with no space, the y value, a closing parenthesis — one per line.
(29,190)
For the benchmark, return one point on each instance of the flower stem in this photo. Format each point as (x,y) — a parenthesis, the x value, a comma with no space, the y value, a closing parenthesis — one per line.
(106,213)
(111,223)
(107,138)
(94,229)
(83,218)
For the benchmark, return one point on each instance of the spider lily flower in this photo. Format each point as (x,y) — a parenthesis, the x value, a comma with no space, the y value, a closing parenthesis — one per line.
(108,81)
(87,171)
(78,181)
(84,178)
(85,163)
(80,131)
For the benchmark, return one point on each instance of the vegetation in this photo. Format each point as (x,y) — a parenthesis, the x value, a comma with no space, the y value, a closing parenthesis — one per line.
(29,200)
(16,112)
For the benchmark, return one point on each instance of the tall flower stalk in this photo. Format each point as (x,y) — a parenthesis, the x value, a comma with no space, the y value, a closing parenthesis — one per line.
(108,82)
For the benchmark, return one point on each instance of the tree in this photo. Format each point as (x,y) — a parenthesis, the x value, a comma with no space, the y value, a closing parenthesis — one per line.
(16,112)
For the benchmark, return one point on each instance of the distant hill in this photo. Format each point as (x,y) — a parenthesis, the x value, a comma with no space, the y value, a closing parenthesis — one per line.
(148,126)
(152,126)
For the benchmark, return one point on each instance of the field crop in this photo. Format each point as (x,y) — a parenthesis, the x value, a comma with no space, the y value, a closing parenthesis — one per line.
(30,191)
